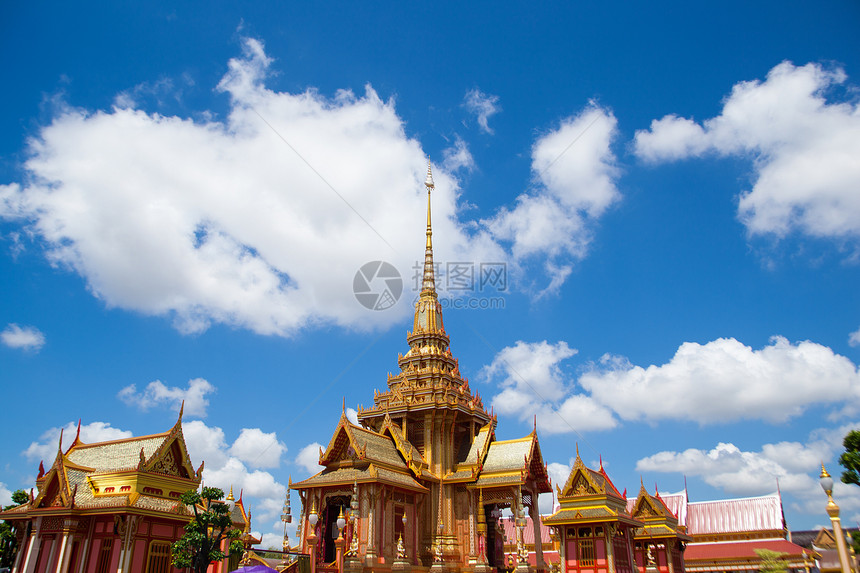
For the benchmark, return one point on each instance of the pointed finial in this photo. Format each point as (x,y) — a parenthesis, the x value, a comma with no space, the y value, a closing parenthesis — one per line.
(181,410)
(601,461)
(78,435)
(60,444)
(534,428)
(824,473)
(428,182)
(230,495)
(343,407)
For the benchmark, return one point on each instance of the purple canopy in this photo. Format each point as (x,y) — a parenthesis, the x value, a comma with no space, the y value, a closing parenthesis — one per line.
(256,569)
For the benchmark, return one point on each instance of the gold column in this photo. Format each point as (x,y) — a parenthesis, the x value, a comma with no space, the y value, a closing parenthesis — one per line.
(833,512)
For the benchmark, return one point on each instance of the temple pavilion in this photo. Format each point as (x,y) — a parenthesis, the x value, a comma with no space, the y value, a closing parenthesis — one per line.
(113,506)
(416,482)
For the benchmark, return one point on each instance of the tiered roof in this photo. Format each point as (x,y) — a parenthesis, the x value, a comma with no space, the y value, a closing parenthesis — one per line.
(356,454)
(144,474)
(589,496)
(658,520)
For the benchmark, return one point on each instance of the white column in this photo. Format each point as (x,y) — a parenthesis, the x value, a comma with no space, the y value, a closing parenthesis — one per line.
(30,561)
(20,561)
(62,559)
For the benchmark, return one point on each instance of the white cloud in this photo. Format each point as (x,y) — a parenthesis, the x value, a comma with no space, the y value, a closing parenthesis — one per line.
(158,394)
(559,473)
(458,157)
(261,220)
(26,338)
(309,457)
(736,472)
(796,465)
(483,106)
(854,338)
(5,495)
(724,381)
(258,449)
(352,415)
(205,443)
(804,149)
(227,465)
(45,449)
(718,382)
(238,222)
(574,170)
(533,384)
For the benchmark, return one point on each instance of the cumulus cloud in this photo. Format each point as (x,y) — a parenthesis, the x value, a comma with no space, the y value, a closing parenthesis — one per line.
(45,449)
(25,338)
(574,171)
(158,394)
(309,457)
(482,106)
(259,221)
(533,384)
(229,465)
(724,381)
(718,382)
(258,449)
(804,150)
(794,464)
(854,338)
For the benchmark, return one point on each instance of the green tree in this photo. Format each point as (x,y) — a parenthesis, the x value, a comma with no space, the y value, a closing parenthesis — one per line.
(204,534)
(850,459)
(8,541)
(771,561)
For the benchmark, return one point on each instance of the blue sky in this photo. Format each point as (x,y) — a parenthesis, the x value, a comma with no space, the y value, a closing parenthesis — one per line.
(187,191)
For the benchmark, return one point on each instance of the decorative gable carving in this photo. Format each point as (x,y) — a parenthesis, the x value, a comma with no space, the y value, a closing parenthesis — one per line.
(170,459)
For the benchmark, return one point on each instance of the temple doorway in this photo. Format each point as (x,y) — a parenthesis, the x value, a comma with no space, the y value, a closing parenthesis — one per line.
(334,505)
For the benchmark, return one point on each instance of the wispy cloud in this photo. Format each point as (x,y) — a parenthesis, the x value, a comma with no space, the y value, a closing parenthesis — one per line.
(23,337)
(482,106)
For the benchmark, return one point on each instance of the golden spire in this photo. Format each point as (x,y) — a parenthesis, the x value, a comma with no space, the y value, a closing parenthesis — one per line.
(428,312)
(429,282)
(229,495)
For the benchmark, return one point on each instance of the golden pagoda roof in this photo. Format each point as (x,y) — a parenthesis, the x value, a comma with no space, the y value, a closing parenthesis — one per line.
(146,473)
(369,473)
(656,517)
(589,496)
(514,462)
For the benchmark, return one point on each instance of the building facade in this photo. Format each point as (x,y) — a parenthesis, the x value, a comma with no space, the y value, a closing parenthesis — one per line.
(111,507)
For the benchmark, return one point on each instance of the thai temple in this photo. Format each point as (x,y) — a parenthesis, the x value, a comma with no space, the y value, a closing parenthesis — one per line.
(419,483)
(111,507)
(422,474)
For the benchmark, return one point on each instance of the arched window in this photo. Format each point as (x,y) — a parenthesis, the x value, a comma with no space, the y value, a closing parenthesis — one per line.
(158,560)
